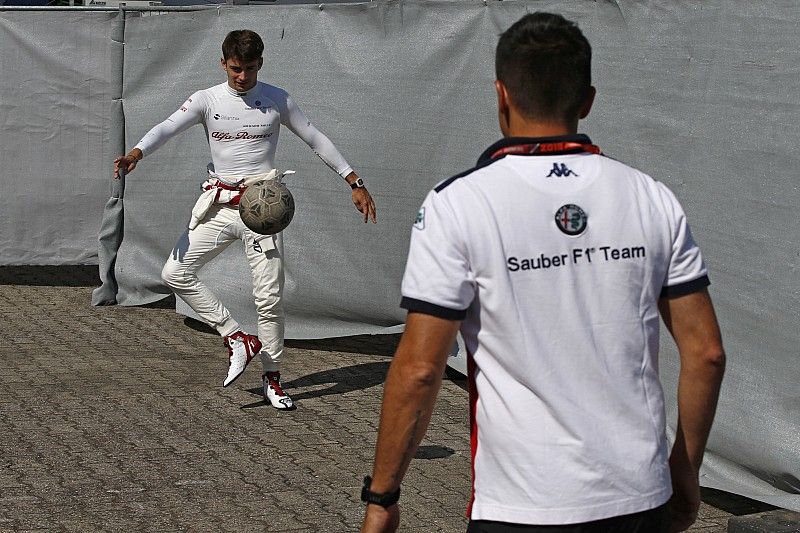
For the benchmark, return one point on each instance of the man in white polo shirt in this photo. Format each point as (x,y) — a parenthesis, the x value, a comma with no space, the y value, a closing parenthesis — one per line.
(556,263)
(242,118)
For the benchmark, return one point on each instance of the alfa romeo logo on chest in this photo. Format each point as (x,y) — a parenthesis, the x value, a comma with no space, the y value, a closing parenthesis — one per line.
(571,219)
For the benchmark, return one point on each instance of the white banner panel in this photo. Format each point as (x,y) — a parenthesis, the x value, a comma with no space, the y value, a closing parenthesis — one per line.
(60,123)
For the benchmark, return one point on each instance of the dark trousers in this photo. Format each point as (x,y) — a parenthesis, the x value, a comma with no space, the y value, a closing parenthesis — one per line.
(652,521)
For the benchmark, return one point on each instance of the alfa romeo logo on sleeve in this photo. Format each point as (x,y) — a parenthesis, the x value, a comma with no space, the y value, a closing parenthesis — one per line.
(571,219)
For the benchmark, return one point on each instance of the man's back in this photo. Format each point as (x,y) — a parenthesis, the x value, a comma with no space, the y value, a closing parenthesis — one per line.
(555,263)
(567,256)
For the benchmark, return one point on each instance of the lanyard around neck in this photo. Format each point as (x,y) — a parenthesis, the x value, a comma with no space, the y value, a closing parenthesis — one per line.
(546,148)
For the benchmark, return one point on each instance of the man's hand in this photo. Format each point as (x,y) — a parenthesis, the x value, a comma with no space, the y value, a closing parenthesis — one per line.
(381,520)
(362,199)
(685,501)
(127,163)
(364,203)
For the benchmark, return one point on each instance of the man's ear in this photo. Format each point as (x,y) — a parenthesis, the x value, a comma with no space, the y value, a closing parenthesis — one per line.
(260,62)
(502,96)
(222,62)
(503,106)
(587,102)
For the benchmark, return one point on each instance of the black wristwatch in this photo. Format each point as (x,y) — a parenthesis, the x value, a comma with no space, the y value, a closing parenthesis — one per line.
(359,183)
(384,500)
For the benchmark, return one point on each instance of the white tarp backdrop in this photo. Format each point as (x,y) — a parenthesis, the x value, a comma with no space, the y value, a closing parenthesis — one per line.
(702,96)
(60,120)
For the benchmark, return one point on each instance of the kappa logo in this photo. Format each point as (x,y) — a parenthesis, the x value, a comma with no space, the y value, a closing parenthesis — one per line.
(560,170)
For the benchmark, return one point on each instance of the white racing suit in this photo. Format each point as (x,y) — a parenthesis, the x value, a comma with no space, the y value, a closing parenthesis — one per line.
(242,129)
(214,225)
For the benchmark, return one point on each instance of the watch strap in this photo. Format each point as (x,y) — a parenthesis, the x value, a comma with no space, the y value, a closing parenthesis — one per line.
(384,500)
(359,183)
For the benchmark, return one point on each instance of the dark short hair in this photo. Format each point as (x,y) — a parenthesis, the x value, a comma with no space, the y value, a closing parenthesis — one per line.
(544,61)
(244,45)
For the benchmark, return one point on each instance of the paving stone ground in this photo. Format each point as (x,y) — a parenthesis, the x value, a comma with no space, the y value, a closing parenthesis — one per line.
(114,419)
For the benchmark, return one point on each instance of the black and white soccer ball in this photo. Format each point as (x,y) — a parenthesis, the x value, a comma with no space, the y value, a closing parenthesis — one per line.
(266,207)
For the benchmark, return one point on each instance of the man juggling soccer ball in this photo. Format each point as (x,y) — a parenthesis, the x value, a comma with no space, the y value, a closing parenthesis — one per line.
(242,118)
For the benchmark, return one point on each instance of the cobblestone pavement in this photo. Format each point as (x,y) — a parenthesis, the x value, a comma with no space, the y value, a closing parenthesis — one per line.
(114,419)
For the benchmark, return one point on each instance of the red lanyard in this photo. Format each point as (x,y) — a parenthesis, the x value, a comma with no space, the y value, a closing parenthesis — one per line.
(545,148)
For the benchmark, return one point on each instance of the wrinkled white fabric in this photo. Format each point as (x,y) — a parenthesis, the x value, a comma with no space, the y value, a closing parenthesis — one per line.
(221,226)
(215,193)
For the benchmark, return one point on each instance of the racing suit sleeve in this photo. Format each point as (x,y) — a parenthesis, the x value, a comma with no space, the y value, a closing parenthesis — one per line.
(190,113)
(294,119)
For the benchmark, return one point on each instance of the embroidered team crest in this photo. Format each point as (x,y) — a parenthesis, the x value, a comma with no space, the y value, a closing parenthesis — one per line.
(571,219)
(419,222)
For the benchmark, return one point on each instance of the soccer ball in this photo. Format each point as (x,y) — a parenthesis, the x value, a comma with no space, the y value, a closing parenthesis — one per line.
(266,207)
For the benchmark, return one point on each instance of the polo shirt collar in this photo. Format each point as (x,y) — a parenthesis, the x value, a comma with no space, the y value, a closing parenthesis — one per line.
(580,138)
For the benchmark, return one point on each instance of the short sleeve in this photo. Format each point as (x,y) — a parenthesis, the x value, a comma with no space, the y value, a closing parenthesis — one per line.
(687,272)
(437,280)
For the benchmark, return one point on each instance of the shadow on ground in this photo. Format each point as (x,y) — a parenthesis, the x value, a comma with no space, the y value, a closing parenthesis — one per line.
(733,503)
(433,452)
(196,325)
(332,381)
(53,276)
(363,344)
(341,381)
(168,302)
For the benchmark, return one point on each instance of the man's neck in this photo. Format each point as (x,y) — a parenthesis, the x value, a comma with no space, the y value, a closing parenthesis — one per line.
(519,127)
(233,90)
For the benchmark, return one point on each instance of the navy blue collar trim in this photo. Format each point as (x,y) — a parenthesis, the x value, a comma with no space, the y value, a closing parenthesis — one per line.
(486,156)
(443,185)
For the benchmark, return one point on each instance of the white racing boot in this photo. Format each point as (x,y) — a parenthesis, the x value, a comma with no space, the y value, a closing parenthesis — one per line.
(273,393)
(241,350)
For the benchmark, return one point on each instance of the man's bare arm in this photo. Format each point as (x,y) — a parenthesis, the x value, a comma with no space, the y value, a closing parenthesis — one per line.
(693,324)
(412,384)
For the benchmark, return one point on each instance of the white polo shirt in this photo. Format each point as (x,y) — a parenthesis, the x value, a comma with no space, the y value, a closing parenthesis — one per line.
(555,263)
